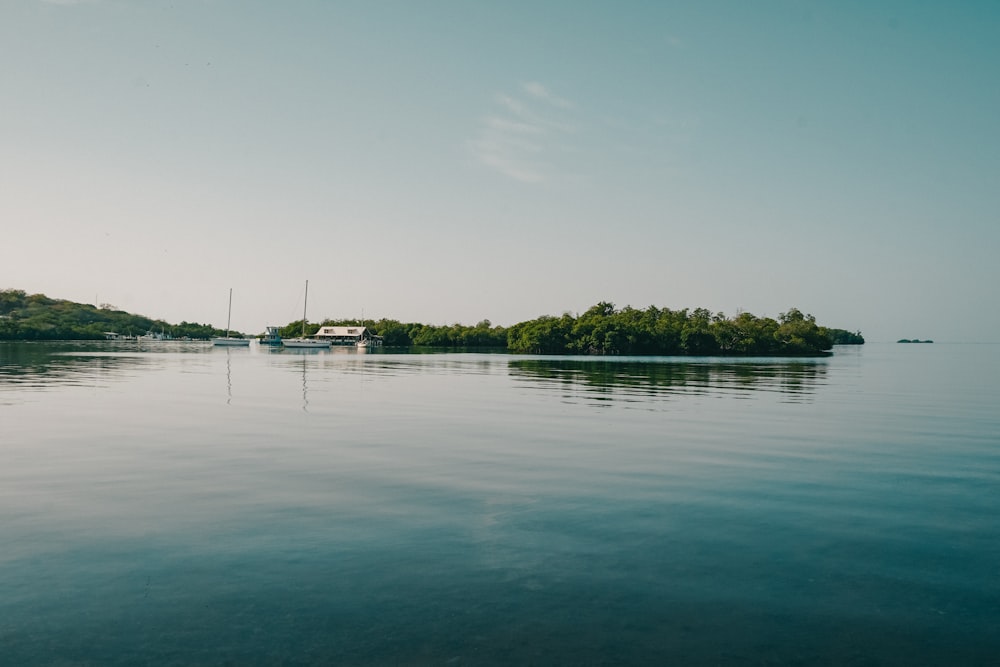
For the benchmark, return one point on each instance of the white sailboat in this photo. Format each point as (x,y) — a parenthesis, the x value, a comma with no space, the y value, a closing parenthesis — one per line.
(228,340)
(302,341)
(362,341)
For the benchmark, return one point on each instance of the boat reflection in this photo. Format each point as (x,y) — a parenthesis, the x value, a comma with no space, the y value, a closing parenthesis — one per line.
(229,376)
(305,387)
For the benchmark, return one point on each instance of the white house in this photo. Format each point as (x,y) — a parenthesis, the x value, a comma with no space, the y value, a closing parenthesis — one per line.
(347,335)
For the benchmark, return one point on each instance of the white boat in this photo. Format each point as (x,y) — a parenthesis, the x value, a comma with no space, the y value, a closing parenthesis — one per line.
(150,336)
(232,342)
(229,340)
(362,340)
(306,343)
(302,342)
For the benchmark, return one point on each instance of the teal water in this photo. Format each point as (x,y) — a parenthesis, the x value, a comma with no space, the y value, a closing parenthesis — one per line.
(175,504)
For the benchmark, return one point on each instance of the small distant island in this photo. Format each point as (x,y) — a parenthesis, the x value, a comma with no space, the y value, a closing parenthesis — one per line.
(913,340)
(601,330)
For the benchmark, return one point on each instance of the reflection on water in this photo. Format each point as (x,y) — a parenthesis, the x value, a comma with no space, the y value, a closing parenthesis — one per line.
(194,505)
(600,381)
(34,366)
(611,379)
(229,377)
(305,386)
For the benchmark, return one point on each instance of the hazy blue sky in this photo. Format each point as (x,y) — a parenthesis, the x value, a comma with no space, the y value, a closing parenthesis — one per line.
(453,161)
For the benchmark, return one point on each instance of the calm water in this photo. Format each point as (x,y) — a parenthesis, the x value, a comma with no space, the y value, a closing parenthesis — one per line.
(179,504)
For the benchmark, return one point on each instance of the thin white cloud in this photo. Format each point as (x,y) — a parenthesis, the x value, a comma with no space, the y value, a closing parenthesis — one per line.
(521,137)
(507,125)
(511,167)
(540,92)
(512,105)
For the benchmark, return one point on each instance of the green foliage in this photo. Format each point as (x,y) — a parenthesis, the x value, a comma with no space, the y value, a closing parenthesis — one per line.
(482,335)
(545,335)
(399,334)
(798,334)
(11,299)
(604,330)
(393,332)
(294,329)
(37,317)
(844,337)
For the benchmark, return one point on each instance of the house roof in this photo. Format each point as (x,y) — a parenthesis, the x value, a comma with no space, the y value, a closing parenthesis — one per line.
(342,331)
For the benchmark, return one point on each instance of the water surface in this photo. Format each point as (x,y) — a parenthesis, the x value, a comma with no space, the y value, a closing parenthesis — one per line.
(169,503)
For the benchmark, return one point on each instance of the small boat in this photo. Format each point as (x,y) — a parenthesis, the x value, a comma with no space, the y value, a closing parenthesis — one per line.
(229,340)
(272,336)
(302,342)
(362,341)
(150,336)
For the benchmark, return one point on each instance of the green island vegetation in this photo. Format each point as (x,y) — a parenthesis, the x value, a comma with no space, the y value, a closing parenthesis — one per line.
(843,337)
(37,317)
(913,340)
(602,329)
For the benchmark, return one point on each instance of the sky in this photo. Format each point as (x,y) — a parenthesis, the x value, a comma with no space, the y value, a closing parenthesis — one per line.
(453,161)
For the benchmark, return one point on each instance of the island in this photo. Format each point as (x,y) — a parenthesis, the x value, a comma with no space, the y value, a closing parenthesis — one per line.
(603,329)
(913,340)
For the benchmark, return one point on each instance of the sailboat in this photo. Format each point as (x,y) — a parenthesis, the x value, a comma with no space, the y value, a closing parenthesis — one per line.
(228,340)
(302,341)
(362,341)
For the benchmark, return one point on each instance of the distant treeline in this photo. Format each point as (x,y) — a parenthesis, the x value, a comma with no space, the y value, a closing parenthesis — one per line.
(401,334)
(37,317)
(842,337)
(603,329)
(606,330)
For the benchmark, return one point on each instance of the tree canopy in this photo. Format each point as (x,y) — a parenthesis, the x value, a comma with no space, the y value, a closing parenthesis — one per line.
(601,329)
(844,337)
(37,317)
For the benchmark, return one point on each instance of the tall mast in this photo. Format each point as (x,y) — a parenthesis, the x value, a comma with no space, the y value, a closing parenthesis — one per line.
(304,302)
(229,315)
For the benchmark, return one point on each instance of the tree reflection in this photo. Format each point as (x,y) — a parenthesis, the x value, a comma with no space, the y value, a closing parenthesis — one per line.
(607,378)
(27,365)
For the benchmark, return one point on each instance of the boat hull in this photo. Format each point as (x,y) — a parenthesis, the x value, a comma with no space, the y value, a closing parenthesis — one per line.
(231,342)
(272,336)
(306,343)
